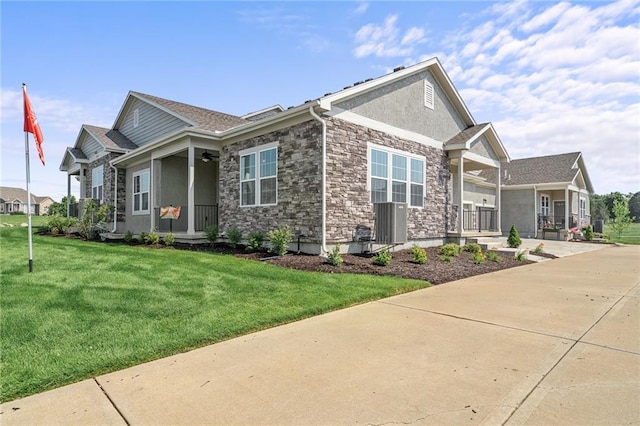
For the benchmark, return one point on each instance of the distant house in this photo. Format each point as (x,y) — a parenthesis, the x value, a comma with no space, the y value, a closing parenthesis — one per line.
(15,200)
(400,155)
(548,192)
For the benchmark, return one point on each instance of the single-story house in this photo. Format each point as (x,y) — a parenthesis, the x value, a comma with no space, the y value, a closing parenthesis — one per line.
(543,194)
(15,200)
(400,154)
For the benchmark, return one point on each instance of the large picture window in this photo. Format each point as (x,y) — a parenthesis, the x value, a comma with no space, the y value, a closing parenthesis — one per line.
(141,192)
(259,176)
(97,183)
(397,177)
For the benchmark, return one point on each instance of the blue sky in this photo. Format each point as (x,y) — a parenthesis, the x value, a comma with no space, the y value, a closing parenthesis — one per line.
(553,77)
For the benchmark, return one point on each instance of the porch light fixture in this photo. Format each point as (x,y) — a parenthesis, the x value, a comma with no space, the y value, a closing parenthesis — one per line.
(206,157)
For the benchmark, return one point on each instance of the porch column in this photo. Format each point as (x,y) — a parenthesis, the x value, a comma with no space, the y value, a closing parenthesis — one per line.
(499,199)
(154,181)
(191,205)
(567,207)
(68,194)
(461,193)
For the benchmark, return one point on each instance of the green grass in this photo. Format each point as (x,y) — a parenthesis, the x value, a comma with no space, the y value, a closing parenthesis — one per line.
(630,236)
(89,308)
(17,219)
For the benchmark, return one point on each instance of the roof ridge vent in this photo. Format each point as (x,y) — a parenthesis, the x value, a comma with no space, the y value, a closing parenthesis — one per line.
(396,69)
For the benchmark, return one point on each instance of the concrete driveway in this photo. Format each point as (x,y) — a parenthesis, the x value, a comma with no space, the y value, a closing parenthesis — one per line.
(555,342)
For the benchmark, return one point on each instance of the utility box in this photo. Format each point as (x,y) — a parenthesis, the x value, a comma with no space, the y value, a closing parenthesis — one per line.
(391,223)
(598,226)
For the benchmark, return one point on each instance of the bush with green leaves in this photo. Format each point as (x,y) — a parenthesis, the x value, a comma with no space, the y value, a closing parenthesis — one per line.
(520,256)
(255,241)
(514,240)
(479,257)
(142,237)
(450,249)
(280,239)
(382,258)
(234,235)
(169,239)
(539,249)
(472,248)
(493,256)
(211,233)
(334,257)
(128,237)
(588,233)
(419,255)
(621,217)
(60,224)
(152,238)
(446,258)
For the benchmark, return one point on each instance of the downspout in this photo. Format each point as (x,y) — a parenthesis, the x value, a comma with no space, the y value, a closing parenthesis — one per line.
(324,180)
(115,198)
(535,211)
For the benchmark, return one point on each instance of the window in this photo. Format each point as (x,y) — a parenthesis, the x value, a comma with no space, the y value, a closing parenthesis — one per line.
(544,205)
(405,183)
(583,208)
(428,95)
(136,117)
(259,182)
(141,192)
(97,183)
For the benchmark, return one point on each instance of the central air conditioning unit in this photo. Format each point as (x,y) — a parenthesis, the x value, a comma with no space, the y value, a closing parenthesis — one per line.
(391,223)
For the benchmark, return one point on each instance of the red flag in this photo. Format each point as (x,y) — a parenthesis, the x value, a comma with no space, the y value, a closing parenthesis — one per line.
(31,123)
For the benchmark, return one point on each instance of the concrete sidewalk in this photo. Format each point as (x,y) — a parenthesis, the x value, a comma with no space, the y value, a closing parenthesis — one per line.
(549,343)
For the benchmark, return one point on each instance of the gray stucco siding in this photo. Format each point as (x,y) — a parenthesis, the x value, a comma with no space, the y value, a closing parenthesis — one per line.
(401,104)
(518,208)
(299,184)
(153,123)
(479,195)
(348,199)
(481,146)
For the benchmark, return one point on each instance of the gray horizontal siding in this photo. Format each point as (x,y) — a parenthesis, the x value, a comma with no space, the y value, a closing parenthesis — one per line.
(153,123)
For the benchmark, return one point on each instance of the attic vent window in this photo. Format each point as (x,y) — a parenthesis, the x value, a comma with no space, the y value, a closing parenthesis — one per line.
(428,95)
(136,117)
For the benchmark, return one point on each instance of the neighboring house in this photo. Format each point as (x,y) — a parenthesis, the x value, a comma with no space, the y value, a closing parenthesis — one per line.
(15,200)
(401,144)
(548,192)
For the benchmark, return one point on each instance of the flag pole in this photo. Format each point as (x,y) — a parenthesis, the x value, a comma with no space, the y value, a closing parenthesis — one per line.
(26,155)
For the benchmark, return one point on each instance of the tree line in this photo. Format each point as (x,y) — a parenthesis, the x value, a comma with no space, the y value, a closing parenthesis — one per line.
(603,207)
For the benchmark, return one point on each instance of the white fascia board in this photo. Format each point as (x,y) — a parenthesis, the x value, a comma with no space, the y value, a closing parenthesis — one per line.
(551,186)
(383,127)
(265,122)
(476,158)
(276,107)
(497,143)
(131,95)
(93,136)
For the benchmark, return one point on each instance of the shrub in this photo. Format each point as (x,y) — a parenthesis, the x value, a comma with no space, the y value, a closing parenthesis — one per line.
(17,214)
(152,238)
(61,223)
(256,240)
(493,256)
(234,235)
(211,234)
(280,239)
(128,237)
(520,256)
(479,258)
(538,250)
(382,258)
(334,258)
(445,258)
(588,233)
(472,248)
(419,255)
(142,238)
(450,250)
(514,240)
(169,239)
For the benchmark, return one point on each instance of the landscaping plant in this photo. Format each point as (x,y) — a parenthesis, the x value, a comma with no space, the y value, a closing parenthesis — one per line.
(152,238)
(621,220)
(234,235)
(472,248)
(450,250)
(479,258)
(128,237)
(255,242)
(539,249)
(382,258)
(211,234)
(588,233)
(514,240)
(335,258)
(493,256)
(142,238)
(520,256)
(419,255)
(169,239)
(280,239)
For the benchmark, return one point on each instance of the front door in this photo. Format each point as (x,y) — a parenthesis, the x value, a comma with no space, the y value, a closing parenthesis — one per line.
(558,213)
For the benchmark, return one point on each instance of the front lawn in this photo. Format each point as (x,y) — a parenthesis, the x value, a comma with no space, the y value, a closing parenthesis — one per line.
(630,236)
(89,308)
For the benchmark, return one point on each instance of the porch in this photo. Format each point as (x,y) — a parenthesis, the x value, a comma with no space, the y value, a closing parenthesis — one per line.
(205,215)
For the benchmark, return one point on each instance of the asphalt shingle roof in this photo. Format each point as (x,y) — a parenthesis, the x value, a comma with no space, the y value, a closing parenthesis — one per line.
(466,134)
(8,193)
(110,138)
(537,170)
(206,119)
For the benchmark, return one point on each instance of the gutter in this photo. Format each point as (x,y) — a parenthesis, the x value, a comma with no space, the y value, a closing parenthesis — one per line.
(324,179)
(115,198)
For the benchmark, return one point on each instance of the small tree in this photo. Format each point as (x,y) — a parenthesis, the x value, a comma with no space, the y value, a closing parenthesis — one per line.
(280,239)
(234,235)
(621,220)
(514,240)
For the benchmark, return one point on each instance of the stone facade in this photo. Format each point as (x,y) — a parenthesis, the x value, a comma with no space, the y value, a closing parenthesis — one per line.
(299,187)
(109,183)
(348,200)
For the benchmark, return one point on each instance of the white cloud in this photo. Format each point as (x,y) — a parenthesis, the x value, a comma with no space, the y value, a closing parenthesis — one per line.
(384,40)
(361,8)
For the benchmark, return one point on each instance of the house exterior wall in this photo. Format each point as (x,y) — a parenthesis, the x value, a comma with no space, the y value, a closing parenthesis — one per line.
(139,222)
(153,123)
(482,147)
(401,104)
(518,208)
(91,147)
(479,195)
(299,184)
(348,199)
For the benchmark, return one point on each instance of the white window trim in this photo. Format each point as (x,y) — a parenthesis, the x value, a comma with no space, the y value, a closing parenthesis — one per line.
(548,205)
(582,210)
(408,181)
(136,117)
(429,94)
(258,179)
(133,179)
(93,183)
